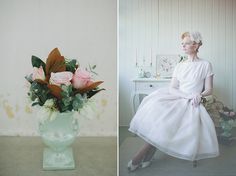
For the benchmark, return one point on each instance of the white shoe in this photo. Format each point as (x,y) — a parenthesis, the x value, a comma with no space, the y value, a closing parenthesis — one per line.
(132,167)
(145,164)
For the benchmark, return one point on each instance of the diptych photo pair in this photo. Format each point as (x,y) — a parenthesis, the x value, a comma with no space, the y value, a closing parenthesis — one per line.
(118,87)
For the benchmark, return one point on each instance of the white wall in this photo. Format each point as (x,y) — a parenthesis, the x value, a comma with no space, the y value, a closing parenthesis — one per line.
(158,24)
(81,29)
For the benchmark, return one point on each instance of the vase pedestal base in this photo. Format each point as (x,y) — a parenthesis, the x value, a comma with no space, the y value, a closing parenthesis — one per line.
(58,161)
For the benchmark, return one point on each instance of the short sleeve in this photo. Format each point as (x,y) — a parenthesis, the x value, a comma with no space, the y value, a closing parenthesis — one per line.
(175,72)
(209,70)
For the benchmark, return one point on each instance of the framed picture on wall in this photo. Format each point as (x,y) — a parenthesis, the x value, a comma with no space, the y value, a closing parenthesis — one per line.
(165,65)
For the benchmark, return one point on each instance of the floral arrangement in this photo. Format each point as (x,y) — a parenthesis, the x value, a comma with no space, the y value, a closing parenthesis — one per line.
(227,114)
(223,116)
(60,84)
(227,121)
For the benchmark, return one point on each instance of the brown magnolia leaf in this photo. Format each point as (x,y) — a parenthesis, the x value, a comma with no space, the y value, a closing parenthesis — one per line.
(90,87)
(55,90)
(47,78)
(40,81)
(93,92)
(55,62)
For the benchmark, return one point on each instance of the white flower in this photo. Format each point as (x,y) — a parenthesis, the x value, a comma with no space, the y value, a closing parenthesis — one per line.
(196,36)
(61,78)
(49,103)
(53,115)
(47,111)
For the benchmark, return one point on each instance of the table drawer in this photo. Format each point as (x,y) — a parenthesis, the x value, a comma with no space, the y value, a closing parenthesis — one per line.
(149,86)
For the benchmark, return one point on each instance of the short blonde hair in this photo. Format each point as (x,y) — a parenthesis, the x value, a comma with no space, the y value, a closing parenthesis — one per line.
(196,37)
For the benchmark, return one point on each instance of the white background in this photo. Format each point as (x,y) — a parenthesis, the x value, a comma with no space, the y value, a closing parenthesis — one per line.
(82,29)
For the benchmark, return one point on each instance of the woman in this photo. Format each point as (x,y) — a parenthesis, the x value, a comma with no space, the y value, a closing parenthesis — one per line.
(174,120)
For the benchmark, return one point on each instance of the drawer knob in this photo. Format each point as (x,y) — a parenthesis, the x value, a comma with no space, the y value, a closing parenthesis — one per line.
(150,85)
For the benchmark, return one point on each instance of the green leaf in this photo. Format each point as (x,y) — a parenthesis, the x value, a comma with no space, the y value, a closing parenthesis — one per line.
(73,61)
(66,91)
(94,72)
(78,96)
(33,97)
(91,69)
(29,78)
(78,102)
(39,91)
(35,103)
(71,65)
(66,101)
(37,62)
(75,105)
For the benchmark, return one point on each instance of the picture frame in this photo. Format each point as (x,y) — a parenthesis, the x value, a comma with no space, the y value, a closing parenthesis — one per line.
(165,65)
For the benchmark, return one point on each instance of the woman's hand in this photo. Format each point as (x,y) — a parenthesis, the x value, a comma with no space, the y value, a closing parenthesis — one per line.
(196,99)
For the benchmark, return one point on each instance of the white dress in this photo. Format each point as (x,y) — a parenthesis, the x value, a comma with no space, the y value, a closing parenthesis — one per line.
(173,124)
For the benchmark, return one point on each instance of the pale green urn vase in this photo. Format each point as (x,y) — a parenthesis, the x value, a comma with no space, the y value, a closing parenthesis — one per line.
(58,135)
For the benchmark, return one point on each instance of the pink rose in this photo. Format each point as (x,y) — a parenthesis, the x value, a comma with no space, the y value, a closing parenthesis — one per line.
(81,79)
(38,73)
(61,78)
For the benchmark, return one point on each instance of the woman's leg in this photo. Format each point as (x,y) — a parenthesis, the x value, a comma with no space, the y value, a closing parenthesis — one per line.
(146,152)
(150,154)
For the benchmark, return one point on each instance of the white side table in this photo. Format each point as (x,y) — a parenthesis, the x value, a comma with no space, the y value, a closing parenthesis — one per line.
(145,86)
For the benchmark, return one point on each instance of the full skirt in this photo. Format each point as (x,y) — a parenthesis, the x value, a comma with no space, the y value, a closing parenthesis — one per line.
(175,126)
